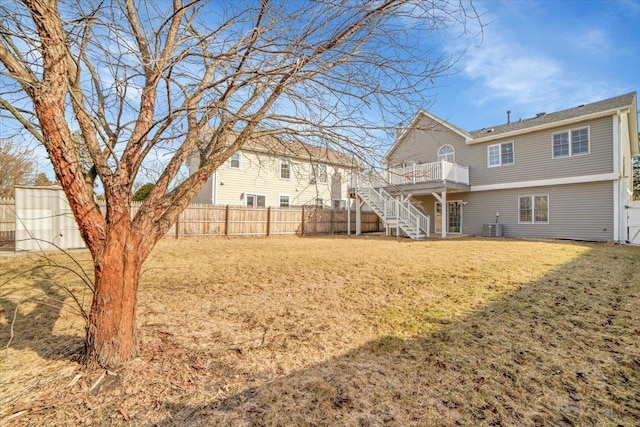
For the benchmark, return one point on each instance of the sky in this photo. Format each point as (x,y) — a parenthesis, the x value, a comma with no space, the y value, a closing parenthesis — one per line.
(540,56)
(533,56)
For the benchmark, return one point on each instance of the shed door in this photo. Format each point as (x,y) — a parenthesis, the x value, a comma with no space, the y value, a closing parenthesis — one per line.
(633,223)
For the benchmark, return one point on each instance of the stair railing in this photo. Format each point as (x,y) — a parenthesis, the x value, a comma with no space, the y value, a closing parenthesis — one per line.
(409,218)
(423,220)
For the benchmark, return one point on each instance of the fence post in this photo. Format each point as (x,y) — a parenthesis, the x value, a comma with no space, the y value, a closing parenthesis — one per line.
(268,221)
(302,223)
(178,227)
(333,219)
(226,221)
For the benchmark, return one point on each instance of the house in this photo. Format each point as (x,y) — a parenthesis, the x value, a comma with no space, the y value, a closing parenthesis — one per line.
(566,175)
(269,171)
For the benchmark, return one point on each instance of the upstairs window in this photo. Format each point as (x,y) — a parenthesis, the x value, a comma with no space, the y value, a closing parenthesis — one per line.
(571,143)
(500,154)
(285,169)
(234,161)
(318,173)
(447,153)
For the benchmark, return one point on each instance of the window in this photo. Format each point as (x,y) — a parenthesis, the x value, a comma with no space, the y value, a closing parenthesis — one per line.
(339,204)
(447,153)
(319,203)
(285,201)
(580,141)
(285,169)
(571,143)
(255,200)
(318,173)
(561,144)
(234,161)
(533,209)
(500,154)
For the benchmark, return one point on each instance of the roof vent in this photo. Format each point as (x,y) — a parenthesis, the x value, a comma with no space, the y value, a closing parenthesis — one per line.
(489,130)
(581,105)
(541,114)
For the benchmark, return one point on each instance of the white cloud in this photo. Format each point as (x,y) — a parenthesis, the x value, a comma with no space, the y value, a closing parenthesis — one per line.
(593,42)
(530,75)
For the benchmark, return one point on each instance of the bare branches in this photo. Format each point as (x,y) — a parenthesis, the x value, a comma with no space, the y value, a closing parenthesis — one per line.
(142,79)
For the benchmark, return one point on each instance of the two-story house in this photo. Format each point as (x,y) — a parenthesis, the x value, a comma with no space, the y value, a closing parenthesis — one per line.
(564,175)
(271,172)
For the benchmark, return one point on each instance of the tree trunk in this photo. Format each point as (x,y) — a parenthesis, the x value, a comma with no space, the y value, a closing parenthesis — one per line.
(111,328)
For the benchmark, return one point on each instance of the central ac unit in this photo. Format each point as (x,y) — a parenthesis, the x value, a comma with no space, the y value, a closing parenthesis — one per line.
(492,230)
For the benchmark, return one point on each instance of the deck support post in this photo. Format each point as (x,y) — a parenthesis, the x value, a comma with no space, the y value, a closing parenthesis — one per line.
(397,217)
(444,209)
(349,216)
(359,203)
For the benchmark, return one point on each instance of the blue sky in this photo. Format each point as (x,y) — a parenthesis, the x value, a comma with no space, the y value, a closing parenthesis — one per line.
(533,56)
(536,56)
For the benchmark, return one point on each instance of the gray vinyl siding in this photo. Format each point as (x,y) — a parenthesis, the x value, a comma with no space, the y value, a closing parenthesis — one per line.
(533,155)
(205,195)
(577,211)
(422,142)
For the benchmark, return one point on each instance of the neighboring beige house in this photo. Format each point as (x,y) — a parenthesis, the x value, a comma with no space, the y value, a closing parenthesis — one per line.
(566,174)
(271,172)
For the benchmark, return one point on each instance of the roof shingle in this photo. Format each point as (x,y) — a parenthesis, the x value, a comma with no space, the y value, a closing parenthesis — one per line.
(582,110)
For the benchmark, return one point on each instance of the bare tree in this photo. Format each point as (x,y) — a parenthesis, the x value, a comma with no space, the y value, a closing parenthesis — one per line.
(137,79)
(16,166)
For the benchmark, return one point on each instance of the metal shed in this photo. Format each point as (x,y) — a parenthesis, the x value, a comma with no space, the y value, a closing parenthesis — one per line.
(44,220)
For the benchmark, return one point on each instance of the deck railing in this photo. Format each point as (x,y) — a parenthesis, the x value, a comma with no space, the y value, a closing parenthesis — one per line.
(428,172)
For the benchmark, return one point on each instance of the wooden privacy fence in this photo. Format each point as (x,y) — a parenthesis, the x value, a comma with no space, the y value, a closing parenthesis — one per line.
(207,220)
(201,220)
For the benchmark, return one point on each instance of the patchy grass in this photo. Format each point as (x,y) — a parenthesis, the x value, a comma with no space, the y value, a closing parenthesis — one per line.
(339,331)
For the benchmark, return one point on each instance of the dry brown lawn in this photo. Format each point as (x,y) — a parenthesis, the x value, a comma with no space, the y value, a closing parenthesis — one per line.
(338,332)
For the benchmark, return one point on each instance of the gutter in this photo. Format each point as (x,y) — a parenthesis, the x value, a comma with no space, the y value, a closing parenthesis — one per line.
(549,125)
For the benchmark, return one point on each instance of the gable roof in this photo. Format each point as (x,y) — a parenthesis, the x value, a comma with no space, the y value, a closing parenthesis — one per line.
(593,110)
(270,144)
(603,108)
(294,149)
(416,119)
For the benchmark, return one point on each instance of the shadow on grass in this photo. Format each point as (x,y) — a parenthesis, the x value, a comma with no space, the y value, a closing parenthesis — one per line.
(29,323)
(561,350)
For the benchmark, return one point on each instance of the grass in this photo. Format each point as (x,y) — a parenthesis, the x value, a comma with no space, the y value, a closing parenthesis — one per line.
(340,331)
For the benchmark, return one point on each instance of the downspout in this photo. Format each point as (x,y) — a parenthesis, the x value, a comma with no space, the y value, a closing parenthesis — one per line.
(214,186)
(623,181)
(616,172)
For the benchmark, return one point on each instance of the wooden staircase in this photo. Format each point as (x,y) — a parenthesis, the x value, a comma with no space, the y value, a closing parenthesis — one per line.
(395,214)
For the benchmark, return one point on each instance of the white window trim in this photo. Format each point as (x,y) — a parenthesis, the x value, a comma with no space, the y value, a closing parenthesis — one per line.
(280,201)
(437,225)
(338,200)
(250,193)
(568,132)
(533,209)
(443,156)
(315,176)
(499,145)
(283,161)
(239,161)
